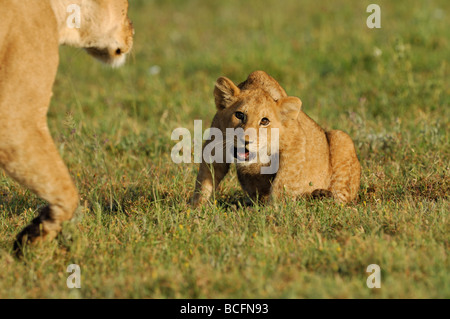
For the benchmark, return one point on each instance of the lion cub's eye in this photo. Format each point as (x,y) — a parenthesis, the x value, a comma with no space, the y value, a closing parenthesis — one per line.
(239,115)
(264,121)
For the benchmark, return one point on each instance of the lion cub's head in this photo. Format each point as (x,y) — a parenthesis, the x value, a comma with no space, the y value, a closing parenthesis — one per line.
(104,29)
(258,103)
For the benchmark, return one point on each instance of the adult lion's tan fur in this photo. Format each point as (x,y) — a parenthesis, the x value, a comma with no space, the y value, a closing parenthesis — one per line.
(30,33)
(311,161)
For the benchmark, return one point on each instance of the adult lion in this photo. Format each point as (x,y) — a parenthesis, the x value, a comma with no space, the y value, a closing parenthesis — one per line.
(30,33)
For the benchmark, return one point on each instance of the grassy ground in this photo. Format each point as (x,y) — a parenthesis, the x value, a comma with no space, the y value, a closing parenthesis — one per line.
(135,235)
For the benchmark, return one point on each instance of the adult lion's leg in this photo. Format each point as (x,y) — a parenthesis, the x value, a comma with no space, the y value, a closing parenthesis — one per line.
(30,157)
(346,170)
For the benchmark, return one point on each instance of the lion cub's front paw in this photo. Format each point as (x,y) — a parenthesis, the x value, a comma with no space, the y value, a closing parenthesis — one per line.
(198,200)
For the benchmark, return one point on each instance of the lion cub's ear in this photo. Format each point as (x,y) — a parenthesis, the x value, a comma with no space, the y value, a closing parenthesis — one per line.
(289,107)
(225,93)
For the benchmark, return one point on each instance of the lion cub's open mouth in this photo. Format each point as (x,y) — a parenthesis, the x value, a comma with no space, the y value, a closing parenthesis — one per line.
(243,155)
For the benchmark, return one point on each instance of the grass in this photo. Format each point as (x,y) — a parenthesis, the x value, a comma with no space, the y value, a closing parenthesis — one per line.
(135,235)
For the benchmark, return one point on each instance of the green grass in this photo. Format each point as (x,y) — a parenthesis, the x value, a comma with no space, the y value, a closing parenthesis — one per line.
(135,235)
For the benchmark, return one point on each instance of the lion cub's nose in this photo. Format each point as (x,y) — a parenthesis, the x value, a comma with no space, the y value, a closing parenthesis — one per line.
(246,141)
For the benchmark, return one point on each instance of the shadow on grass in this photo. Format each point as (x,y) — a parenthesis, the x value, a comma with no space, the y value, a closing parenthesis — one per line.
(132,197)
(432,188)
(236,200)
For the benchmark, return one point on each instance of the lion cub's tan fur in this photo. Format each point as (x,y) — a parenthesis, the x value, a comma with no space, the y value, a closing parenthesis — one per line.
(311,161)
(30,33)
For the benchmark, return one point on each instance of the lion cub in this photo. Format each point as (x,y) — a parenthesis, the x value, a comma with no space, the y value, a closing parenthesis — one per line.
(310,160)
